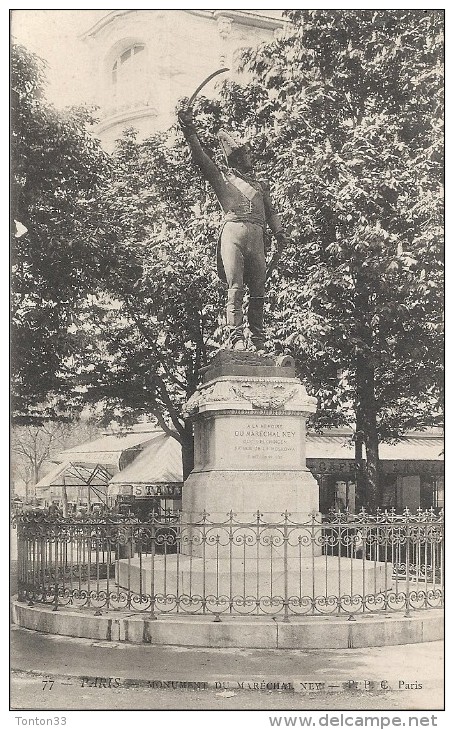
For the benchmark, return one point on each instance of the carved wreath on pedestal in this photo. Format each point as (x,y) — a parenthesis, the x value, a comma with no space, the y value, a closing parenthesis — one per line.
(261,394)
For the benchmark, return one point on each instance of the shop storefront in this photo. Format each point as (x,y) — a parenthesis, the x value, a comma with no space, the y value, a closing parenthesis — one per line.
(411,471)
(142,473)
(145,500)
(152,483)
(141,468)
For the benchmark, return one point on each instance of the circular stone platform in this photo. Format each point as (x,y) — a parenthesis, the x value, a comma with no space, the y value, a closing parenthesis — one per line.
(326,632)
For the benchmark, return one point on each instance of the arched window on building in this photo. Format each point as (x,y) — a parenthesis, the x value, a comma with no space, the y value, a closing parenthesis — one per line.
(129,78)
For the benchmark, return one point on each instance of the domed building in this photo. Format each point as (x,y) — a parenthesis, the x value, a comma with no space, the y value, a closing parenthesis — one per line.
(143,61)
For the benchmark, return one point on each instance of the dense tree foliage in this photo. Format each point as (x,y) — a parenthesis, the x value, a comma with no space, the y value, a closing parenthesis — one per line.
(346,109)
(58,170)
(344,113)
(160,317)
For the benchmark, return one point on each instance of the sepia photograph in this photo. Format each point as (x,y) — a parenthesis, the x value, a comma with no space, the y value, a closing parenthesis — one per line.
(227,365)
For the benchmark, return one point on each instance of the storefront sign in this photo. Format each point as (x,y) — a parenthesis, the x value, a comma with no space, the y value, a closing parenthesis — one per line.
(412,467)
(172,491)
(347,467)
(331,466)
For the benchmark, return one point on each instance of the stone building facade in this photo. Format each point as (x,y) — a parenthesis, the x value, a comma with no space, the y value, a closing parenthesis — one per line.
(143,61)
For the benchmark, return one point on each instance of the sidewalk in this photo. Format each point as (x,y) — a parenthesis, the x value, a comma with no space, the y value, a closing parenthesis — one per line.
(411,673)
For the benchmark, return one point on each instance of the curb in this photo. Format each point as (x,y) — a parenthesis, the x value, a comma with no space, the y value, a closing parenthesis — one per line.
(195,631)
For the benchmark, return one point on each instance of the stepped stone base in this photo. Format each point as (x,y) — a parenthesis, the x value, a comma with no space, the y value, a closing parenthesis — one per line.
(322,576)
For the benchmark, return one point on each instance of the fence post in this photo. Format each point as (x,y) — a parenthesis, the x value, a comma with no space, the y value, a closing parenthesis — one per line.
(286,602)
(407,565)
(55,606)
(153,616)
(442,556)
(20,560)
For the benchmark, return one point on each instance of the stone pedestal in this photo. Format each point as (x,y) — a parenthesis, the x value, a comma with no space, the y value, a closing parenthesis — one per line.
(250,437)
(251,538)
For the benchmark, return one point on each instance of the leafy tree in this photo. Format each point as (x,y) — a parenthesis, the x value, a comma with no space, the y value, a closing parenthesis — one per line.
(345,113)
(32,446)
(346,109)
(116,295)
(143,342)
(58,170)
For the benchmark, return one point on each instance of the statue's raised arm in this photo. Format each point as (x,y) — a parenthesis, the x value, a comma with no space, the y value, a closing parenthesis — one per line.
(247,208)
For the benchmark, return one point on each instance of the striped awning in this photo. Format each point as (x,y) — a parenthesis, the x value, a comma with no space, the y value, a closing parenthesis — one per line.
(413,449)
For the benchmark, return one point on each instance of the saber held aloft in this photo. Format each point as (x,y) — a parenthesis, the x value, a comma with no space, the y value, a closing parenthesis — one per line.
(204,83)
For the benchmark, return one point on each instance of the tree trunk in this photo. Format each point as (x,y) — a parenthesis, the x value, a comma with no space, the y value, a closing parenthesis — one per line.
(366,404)
(372,468)
(367,417)
(35,480)
(359,466)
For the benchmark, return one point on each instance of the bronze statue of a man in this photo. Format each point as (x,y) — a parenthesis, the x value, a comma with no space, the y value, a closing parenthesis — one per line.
(247,209)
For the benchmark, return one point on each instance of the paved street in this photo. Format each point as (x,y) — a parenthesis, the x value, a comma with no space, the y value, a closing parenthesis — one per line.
(81,670)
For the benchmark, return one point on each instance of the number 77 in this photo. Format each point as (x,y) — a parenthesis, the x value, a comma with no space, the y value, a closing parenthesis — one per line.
(49,682)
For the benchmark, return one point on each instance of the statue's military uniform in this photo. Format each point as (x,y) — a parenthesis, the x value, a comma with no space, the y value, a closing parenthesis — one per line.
(240,254)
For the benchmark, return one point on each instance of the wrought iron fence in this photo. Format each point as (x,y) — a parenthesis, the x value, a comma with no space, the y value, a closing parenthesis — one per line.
(338,564)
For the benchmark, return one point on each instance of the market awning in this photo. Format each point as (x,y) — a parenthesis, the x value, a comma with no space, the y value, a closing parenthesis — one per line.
(160,463)
(335,454)
(411,448)
(108,450)
(75,475)
(329,447)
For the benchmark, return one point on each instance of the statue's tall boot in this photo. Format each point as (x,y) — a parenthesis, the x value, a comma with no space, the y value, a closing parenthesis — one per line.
(255,320)
(235,318)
